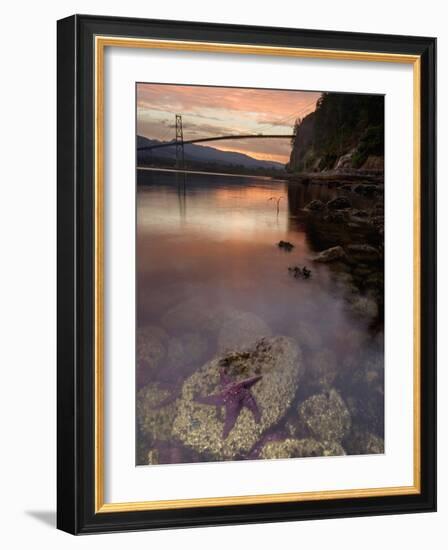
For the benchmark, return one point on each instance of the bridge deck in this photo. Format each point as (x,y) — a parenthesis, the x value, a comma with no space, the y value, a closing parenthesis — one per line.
(217,138)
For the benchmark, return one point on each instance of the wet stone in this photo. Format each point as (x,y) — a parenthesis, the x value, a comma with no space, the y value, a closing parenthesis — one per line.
(154,417)
(150,352)
(360,442)
(330,255)
(200,426)
(300,448)
(326,416)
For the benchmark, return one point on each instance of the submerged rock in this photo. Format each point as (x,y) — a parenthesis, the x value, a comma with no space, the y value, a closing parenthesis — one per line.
(363,306)
(200,426)
(150,352)
(154,417)
(326,416)
(300,448)
(322,369)
(187,349)
(197,313)
(330,255)
(363,443)
(306,335)
(241,331)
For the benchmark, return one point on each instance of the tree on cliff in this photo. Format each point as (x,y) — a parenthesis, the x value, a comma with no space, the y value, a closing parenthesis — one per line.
(340,123)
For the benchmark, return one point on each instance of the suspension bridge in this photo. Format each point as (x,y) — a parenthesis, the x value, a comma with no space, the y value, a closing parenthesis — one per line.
(179,141)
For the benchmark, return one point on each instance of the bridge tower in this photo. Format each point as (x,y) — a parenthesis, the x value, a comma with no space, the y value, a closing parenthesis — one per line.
(180,157)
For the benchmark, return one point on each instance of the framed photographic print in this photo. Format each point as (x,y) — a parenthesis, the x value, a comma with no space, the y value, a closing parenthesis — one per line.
(246,274)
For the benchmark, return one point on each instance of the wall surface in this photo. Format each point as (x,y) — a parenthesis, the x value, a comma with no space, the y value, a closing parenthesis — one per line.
(27,274)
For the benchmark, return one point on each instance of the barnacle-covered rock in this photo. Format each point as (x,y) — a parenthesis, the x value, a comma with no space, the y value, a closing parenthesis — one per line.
(241,331)
(156,409)
(300,448)
(326,416)
(200,426)
(360,442)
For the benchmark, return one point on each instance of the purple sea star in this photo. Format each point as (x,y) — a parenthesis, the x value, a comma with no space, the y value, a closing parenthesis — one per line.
(233,396)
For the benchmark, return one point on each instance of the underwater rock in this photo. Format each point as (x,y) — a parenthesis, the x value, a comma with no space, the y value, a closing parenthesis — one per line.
(306,335)
(339,203)
(360,442)
(364,384)
(326,416)
(300,448)
(315,206)
(200,426)
(363,306)
(187,349)
(150,352)
(330,255)
(322,369)
(241,331)
(196,313)
(154,417)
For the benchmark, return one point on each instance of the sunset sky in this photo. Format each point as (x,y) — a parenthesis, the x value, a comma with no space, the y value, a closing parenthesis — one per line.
(209,111)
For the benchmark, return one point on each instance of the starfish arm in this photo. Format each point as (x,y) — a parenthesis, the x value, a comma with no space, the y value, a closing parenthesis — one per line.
(215,400)
(251,404)
(232,411)
(249,382)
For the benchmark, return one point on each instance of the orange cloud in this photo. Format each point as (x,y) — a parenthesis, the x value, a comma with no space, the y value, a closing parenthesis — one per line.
(211,111)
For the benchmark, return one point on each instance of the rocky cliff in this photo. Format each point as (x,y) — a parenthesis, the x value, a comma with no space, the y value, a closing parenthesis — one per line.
(344,134)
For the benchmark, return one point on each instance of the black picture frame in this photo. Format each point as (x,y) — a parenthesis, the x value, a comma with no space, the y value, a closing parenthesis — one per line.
(76,272)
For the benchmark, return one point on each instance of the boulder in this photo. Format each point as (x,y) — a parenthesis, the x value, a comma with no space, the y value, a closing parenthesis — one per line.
(360,442)
(151,343)
(326,416)
(315,206)
(187,349)
(200,426)
(363,252)
(339,203)
(155,412)
(363,306)
(331,255)
(322,369)
(306,335)
(300,448)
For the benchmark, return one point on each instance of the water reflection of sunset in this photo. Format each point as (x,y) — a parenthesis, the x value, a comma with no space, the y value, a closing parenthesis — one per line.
(223,212)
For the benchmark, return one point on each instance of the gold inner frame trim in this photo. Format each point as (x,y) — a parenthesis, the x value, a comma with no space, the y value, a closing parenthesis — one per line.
(101,42)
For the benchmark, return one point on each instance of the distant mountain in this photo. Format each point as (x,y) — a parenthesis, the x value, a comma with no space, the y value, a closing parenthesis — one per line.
(202,155)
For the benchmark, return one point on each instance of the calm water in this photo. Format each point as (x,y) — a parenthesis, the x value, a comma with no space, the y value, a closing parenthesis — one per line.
(214,238)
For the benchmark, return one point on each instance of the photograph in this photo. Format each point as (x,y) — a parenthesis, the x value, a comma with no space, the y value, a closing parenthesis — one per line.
(259,274)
